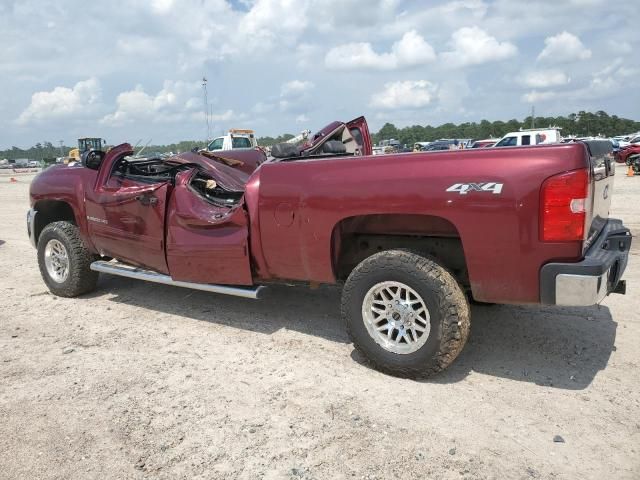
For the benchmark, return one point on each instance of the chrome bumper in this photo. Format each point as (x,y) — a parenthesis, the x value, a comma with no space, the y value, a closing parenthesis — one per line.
(580,290)
(31,222)
(587,282)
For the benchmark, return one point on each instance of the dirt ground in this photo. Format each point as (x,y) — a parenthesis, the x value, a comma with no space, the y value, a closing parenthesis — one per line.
(139,380)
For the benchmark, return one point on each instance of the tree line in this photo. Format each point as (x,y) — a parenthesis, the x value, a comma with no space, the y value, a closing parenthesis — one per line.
(579,124)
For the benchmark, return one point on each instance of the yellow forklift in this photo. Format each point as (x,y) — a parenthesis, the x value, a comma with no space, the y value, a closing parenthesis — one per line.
(84,144)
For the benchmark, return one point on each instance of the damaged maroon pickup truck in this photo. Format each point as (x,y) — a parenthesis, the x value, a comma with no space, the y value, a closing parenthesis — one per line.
(412,237)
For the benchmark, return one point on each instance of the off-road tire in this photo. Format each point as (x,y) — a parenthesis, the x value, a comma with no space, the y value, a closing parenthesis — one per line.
(445,300)
(81,279)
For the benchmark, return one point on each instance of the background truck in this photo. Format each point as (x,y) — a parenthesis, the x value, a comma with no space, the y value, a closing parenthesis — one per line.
(533,136)
(236,138)
(411,237)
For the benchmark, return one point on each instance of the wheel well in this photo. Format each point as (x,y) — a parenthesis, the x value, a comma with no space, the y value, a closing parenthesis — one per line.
(356,238)
(51,211)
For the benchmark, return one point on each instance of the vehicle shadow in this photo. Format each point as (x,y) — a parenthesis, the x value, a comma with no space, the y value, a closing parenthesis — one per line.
(559,347)
(314,312)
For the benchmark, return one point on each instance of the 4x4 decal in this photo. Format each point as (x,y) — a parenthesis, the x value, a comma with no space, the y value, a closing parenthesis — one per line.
(464,188)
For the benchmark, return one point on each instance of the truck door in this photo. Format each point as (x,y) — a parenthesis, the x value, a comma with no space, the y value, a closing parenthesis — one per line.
(360,131)
(126,214)
(207,235)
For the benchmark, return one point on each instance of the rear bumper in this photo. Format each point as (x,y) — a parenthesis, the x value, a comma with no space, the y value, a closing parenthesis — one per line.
(589,281)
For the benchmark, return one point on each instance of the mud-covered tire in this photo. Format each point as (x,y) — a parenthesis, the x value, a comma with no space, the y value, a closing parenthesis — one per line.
(446,303)
(79,278)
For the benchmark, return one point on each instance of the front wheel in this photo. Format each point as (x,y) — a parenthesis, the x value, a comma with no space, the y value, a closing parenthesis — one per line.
(405,313)
(64,260)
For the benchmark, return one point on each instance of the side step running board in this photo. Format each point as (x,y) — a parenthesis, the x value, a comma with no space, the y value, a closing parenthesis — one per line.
(129,271)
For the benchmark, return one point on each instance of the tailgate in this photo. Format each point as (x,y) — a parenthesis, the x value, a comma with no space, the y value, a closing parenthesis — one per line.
(602,174)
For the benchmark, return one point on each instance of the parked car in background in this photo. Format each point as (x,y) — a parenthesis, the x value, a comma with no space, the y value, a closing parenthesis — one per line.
(530,137)
(615,144)
(624,153)
(488,142)
(442,144)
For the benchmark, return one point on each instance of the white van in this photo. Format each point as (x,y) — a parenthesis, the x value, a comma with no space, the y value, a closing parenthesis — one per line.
(530,137)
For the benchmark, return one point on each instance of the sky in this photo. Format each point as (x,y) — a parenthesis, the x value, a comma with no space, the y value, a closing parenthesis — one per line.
(129,70)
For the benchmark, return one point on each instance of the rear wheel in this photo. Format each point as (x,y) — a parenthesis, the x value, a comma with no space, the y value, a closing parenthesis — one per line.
(64,260)
(405,313)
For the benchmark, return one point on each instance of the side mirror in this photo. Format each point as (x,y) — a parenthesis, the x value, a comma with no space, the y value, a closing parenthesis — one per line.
(92,159)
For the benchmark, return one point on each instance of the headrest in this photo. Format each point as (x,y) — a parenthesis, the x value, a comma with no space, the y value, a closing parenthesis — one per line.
(334,146)
(285,150)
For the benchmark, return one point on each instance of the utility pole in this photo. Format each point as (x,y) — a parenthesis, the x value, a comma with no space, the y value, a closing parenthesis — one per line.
(206,106)
(61,152)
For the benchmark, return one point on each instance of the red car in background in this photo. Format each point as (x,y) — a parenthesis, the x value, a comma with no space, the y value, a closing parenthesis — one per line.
(625,152)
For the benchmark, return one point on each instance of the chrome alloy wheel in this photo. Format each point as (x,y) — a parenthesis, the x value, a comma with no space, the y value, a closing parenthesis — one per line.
(396,317)
(56,260)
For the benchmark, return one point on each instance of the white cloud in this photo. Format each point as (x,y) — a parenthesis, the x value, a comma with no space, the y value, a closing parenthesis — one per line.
(138,45)
(131,105)
(539,97)
(473,46)
(411,50)
(250,48)
(295,96)
(564,47)
(545,79)
(62,102)
(268,23)
(225,116)
(170,104)
(295,88)
(307,54)
(302,118)
(614,79)
(161,6)
(406,94)
(262,107)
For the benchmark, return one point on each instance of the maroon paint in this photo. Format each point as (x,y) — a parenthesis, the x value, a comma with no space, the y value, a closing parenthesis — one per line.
(250,158)
(294,207)
(122,220)
(496,230)
(206,243)
(65,184)
(361,124)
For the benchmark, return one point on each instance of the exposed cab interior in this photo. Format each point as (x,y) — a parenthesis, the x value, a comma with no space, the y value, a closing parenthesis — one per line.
(338,141)
(209,189)
(157,170)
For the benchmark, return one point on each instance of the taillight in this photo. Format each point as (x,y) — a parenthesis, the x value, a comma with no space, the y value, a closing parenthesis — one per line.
(563,202)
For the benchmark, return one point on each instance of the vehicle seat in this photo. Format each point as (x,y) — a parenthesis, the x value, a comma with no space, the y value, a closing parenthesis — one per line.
(334,147)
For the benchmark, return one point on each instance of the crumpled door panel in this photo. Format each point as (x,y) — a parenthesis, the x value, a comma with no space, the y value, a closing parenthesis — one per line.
(206,243)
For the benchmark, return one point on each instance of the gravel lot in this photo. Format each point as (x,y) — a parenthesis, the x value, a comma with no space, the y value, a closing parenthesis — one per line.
(139,380)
